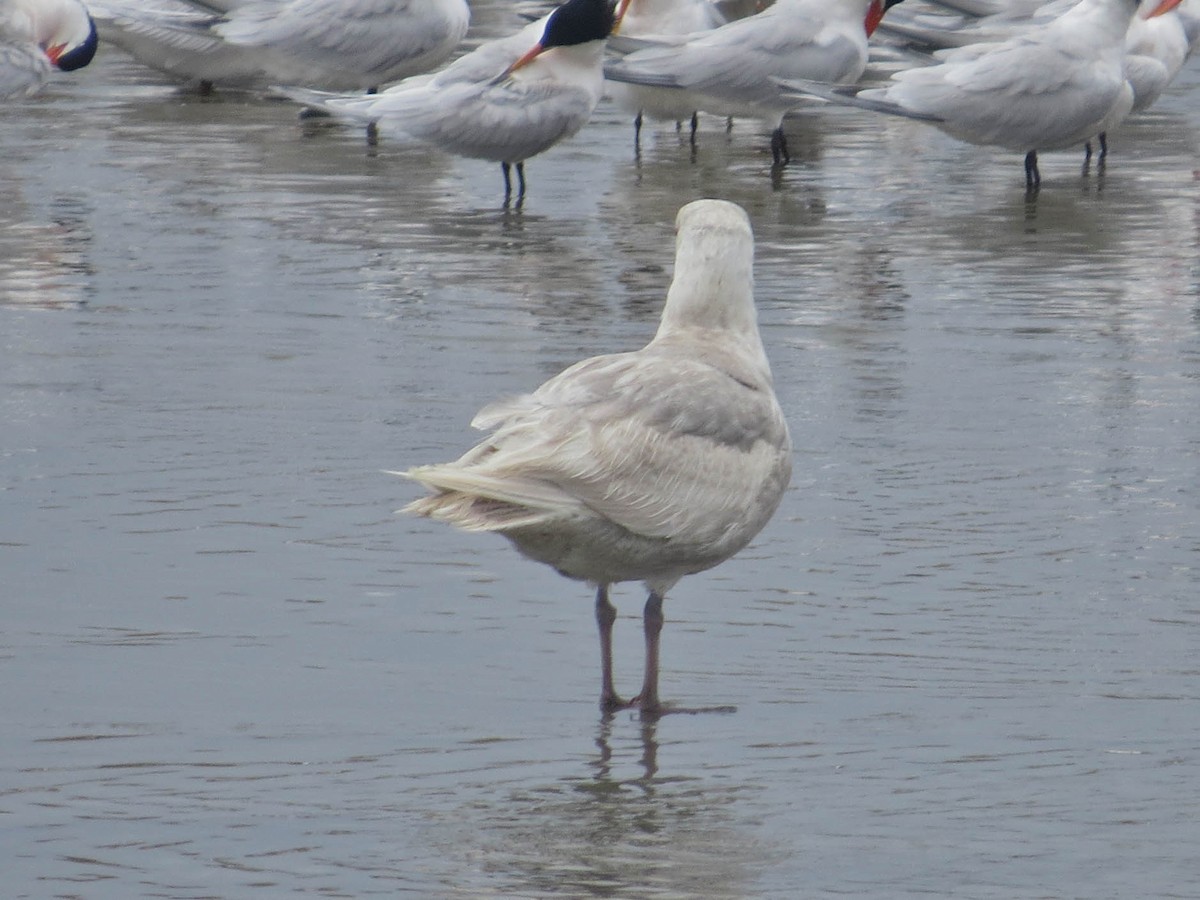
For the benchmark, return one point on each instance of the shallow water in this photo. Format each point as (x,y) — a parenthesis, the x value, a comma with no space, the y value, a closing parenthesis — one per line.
(963,655)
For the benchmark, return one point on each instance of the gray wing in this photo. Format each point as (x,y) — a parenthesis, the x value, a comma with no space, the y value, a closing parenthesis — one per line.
(173,37)
(741,58)
(1007,93)
(384,37)
(506,122)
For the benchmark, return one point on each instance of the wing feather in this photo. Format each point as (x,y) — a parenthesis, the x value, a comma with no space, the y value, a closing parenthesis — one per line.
(391,38)
(640,440)
(23,68)
(739,60)
(1055,102)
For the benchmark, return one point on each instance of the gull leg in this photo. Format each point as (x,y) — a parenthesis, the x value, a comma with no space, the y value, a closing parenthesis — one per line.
(520,181)
(652,620)
(506,168)
(606,615)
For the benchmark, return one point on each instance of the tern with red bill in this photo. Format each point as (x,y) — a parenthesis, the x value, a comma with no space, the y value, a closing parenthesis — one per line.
(506,101)
(1050,87)
(39,36)
(732,70)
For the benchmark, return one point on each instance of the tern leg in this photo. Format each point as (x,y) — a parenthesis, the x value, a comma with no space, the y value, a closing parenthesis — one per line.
(1103,145)
(606,615)
(652,620)
(779,148)
(507,168)
(1033,178)
(637,131)
(695,125)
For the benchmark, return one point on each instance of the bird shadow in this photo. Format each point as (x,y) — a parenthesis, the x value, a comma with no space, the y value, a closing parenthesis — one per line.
(666,709)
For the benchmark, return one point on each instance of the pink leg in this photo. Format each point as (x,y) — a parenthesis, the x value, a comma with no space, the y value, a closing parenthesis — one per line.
(606,615)
(652,620)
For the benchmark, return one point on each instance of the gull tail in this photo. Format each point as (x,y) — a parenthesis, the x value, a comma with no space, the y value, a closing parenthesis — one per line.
(475,501)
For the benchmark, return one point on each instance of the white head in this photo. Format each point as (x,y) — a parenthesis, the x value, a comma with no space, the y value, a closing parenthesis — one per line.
(713,287)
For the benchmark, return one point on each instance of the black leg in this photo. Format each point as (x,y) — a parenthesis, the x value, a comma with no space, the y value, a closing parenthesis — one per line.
(506,168)
(779,148)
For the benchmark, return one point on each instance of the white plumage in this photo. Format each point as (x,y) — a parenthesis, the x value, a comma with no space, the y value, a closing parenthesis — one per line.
(1156,48)
(39,36)
(642,18)
(1045,88)
(731,70)
(641,466)
(506,101)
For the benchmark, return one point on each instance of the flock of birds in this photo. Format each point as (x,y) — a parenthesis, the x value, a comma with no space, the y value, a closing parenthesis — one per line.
(659,463)
(1026,75)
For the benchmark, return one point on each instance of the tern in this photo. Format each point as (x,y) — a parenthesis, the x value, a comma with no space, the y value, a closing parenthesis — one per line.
(506,101)
(39,36)
(1155,48)
(1046,88)
(637,18)
(731,70)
